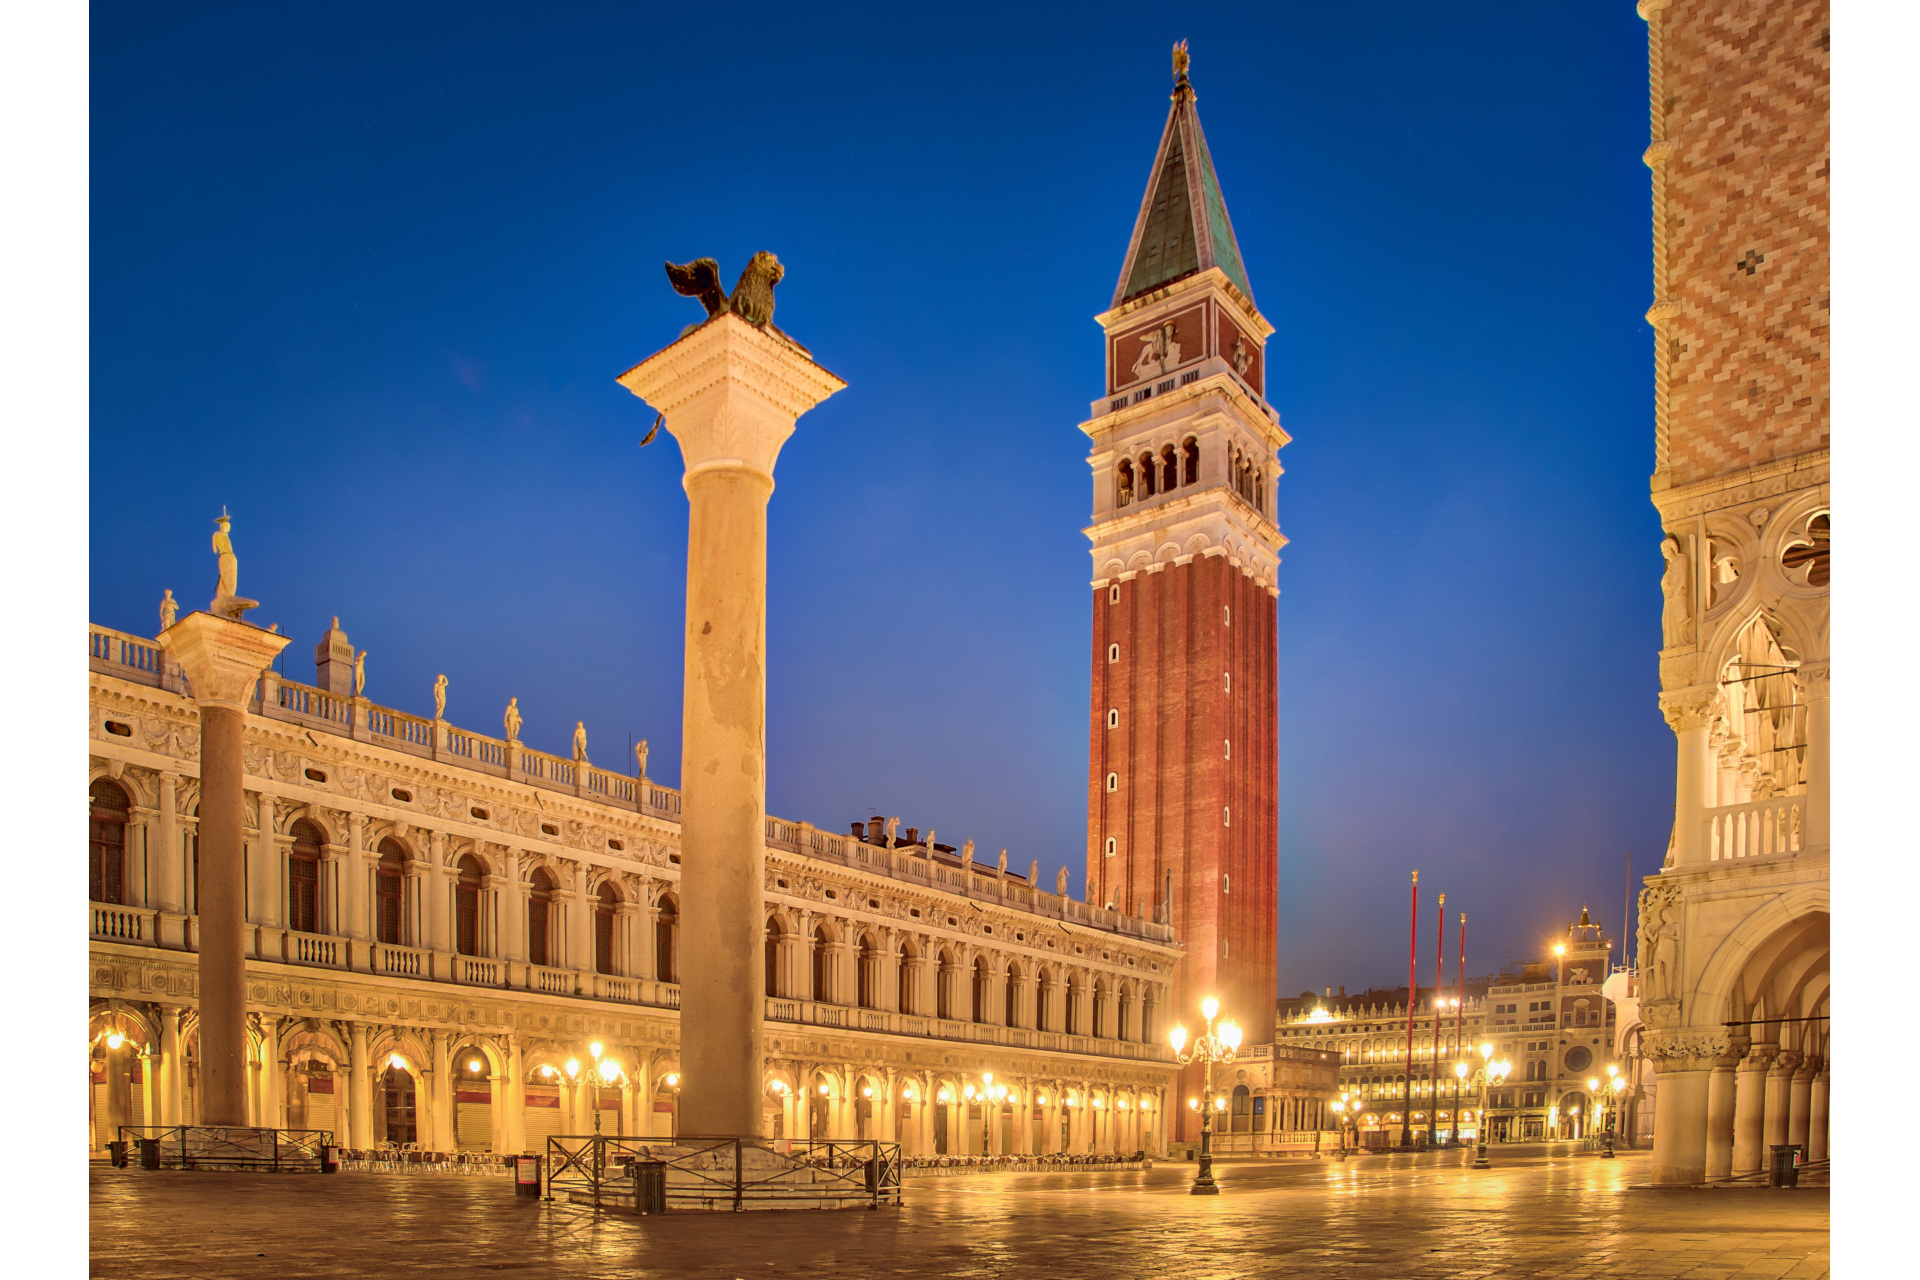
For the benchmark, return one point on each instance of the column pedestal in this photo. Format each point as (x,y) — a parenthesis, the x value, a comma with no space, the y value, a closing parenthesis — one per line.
(222,659)
(731,394)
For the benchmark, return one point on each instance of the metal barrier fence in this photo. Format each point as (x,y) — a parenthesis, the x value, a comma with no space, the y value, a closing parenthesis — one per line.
(194,1146)
(712,1173)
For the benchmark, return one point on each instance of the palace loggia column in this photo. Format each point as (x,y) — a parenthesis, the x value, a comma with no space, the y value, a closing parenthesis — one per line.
(223,660)
(731,394)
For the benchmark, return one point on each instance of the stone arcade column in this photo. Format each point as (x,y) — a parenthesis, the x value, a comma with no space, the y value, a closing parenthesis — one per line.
(1689,713)
(731,394)
(360,1089)
(1799,1118)
(1816,834)
(1817,1116)
(1684,1060)
(1779,1091)
(1721,1090)
(222,659)
(1749,1109)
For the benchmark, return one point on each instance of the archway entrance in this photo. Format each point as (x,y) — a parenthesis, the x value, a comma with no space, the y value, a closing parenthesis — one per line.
(397,1108)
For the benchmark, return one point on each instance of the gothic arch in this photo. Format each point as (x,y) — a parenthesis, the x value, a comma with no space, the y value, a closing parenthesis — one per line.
(1769,933)
(130,1021)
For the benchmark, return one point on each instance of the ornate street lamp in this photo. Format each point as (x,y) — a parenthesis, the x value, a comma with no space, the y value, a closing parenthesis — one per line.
(1615,1083)
(1340,1121)
(1210,1048)
(1460,1070)
(1492,1071)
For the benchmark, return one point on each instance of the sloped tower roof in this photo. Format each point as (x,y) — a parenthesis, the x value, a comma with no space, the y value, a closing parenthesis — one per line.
(1183,226)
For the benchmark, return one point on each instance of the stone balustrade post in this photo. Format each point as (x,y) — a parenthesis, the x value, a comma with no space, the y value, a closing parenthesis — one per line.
(222,659)
(731,394)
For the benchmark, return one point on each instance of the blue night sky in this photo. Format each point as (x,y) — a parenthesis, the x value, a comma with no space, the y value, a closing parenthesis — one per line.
(366,273)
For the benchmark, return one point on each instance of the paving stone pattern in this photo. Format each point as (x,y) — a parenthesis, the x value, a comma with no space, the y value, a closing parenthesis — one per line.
(1385,1217)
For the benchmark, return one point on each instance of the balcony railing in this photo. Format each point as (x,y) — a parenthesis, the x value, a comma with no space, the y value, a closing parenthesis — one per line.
(130,657)
(1756,830)
(817,1013)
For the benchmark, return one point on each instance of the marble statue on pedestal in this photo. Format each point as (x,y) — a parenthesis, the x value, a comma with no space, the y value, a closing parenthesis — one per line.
(227,602)
(640,756)
(512,720)
(440,697)
(169,609)
(580,741)
(360,674)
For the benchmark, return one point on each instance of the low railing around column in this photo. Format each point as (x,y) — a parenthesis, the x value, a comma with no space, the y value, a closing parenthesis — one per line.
(1755,830)
(194,1146)
(725,1173)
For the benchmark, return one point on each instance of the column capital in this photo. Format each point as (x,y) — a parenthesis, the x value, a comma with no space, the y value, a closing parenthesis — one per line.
(1685,1050)
(1692,708)
(731,393)
(222,658)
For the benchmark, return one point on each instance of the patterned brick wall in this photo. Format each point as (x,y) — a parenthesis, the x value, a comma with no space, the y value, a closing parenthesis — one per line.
(1741,141)
(1181,805)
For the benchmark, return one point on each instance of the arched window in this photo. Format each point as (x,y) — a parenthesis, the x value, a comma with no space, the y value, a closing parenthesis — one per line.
(107,842)
(605,911)
(1123,484)
(466,906)
(1241,1110)
(1042,1002)
(666,940)
(1148,477)
(863,983)
(1169,470)
(774,935)
(904,970)
(389,892)
(303,878)
(822,965)
(1121,1029)
(943,987)
(1099,1007)
(980,987)
(539,916)
(1073,1006)
(1013,995)
(1190,461)
(397,1086)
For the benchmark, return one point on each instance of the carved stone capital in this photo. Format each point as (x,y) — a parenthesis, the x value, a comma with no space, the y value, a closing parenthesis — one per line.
(222,658)
(1689,709)
(731,393)
(1661,312)
(1816,681)
(1686,1050)
(1647,8)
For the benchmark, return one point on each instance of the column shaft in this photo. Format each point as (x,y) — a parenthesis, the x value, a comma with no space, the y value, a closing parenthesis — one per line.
(222,934)
(723,779)
(1749,1106)
(1721,1087)
(1680,1127)
(1817,1118)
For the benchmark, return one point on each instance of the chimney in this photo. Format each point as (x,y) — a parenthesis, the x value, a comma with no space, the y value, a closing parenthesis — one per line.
(875,829)
(859,830)
(1330,992)
(333,662)
(1343,993)
(913,835)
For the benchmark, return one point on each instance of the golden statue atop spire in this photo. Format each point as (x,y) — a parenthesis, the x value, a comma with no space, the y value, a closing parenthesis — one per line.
(1180,62)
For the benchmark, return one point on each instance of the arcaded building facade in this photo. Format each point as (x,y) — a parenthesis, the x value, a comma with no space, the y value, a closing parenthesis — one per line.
(440,921)
(1733,983)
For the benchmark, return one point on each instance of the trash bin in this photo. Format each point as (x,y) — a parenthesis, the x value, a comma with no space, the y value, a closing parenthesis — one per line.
(526,1177)
(1786,1166)
(649,1185)
(149,1152)
(329,1159)
(117,1154)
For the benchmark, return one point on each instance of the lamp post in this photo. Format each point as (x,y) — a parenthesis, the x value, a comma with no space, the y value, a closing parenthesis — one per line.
(1615,1083)
(1491,1071)
(1210,1048)
(1340,1119)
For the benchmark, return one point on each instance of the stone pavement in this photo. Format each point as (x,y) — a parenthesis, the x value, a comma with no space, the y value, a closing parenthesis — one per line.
(1538,1212)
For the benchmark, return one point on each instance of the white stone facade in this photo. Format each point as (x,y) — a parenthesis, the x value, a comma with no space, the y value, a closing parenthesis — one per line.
(424,998)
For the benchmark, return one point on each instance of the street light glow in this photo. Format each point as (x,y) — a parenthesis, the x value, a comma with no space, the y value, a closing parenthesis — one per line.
(573,1066)
(1177,1037)
(1210,1008)
(1230,1034)
(595,1049)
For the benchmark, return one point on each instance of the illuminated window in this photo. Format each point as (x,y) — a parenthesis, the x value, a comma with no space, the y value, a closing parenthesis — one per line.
(1113,782)
(1113,653)
(1113,717)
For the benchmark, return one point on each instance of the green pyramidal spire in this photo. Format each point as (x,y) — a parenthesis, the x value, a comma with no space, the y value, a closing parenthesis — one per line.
(1183,226)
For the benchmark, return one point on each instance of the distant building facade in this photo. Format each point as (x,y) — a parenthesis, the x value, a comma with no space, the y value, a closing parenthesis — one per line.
(1732,984)
(1549,1018)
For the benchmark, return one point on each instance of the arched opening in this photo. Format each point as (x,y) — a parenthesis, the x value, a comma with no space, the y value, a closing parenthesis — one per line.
(1100,1007)
(775,934)
(1148,477)
(472,1100)
(108,807)
(981,985)
(312,1096)
(869,965)
(389,893)
(1075,1001)
(943,986)
(606,910)
(1190,461)
(666,942)
(1013,995)
(1123,484)
(397,1107)
(1122,1028)
(822,965)
(539,916)
(466,906)
(303,878)
(904,967)
(1169,470)
(1240,1110)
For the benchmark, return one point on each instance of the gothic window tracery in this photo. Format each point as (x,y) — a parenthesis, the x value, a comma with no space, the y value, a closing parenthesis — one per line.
(1763,731)
(1807,558)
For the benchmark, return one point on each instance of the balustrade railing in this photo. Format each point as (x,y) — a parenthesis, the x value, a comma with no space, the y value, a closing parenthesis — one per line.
(1755,830)
(312,948)
(479,973)
(405,962)
(119,924)
(554,982)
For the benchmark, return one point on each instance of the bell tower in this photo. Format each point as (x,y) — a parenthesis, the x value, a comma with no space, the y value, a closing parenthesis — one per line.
(1182,777)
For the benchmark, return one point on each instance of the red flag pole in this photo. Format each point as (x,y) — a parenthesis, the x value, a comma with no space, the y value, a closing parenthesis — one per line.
(1460,1024)
(1439,981)
(1413,932)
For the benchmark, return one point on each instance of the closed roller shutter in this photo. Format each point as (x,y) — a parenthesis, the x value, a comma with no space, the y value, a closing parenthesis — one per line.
(473,1119)
(543,1115)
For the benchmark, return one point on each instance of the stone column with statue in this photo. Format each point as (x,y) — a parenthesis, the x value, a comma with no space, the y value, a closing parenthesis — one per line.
(223,658)
(730,391)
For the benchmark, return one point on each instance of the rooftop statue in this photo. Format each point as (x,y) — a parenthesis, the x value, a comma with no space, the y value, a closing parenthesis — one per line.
(511,721)
(580,741)
(360,674)
(227,603)
(440,697)
(169,609)
(640,755)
